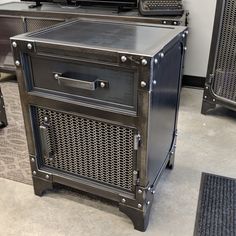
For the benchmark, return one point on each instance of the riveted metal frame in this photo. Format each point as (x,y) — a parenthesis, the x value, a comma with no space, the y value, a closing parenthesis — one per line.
(135,204)
(210,98)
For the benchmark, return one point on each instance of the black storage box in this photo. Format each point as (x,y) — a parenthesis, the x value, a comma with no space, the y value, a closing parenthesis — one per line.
(100,102)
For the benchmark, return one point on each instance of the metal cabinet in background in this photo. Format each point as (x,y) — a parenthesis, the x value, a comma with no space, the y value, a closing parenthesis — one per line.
(17,18)
(14,25)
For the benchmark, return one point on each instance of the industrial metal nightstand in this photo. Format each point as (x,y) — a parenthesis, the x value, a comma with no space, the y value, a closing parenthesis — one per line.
(100,102)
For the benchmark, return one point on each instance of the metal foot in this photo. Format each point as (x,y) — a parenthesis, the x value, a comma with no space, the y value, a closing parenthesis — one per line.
(140,218)
(206,106)
(171,162)
(41,185)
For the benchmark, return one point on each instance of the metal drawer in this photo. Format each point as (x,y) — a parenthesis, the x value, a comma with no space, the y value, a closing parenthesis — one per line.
(97,84)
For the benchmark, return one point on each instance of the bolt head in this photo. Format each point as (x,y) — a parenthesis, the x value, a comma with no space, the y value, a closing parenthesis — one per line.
(205,96)
(175,23)
(162,54)
(47,177)
(102,85)
(148,202)
(45,119)
(153,191)
(149,188)
(154,82)
(139,205)
(56,76)
(186,32)
(32,159)
(123,58)
(183,35)
(14,44)
(207,87)
(164,22)
(17,63)
(34,172)
(214,100)
(123,200)
(185,48)
(156,61)
(143,84)
(29,46)
(140,191)
(144,62)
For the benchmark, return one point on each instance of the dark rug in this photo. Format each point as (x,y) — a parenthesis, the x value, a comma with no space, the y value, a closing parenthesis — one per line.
(216,214)
(14,161)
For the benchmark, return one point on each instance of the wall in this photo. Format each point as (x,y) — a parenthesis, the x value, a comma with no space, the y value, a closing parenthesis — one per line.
(201,20)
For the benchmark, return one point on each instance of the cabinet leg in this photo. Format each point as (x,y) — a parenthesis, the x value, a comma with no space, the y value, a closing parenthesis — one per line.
(140,218)
(41,185)
(206,106)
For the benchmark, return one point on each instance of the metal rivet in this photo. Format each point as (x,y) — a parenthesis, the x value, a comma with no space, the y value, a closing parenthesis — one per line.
(148,202)
(32,159)
(205,96)
(140,191)
(29,46)
(154,82)
(207,87)
(172,153)
(123,58)
(47,177)
(123,200)
(186,32)
(183,35)
(162,54)
(14,44)
(175,146)
(139,205)
(149,188)
(155,61)
(17,63)
(34,172)
(175,23)
(185,48)
(56,76)
(213,100)
(45,119)
(143,84)
(153,192)
(144,62)
(164,22)
(102,85)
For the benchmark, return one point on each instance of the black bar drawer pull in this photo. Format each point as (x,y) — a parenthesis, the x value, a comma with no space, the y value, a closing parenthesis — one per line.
(90,83)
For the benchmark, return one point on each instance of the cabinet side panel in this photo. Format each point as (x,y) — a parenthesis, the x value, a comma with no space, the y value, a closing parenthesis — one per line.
(164,109)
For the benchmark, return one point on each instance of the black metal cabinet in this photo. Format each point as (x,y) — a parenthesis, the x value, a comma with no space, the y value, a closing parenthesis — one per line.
(100,102)
(17,18)
(3,117)
(220,86)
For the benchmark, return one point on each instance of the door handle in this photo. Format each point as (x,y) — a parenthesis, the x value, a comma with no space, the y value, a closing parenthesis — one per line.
(90,83)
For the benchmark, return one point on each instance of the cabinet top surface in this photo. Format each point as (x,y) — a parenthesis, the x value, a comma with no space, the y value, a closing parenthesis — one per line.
(140,39)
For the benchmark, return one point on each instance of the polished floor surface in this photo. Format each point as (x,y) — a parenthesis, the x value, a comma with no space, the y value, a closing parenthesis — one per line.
(205,144)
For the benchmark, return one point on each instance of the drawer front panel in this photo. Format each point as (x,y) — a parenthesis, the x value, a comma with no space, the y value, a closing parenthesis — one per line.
(84,82)
(89,148)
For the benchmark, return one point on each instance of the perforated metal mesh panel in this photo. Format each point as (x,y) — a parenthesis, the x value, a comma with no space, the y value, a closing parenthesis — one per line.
(165,4)
(101,151)
(33,24)
(224,83)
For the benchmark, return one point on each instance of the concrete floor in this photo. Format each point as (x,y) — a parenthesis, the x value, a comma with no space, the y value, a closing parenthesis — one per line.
(205,144)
